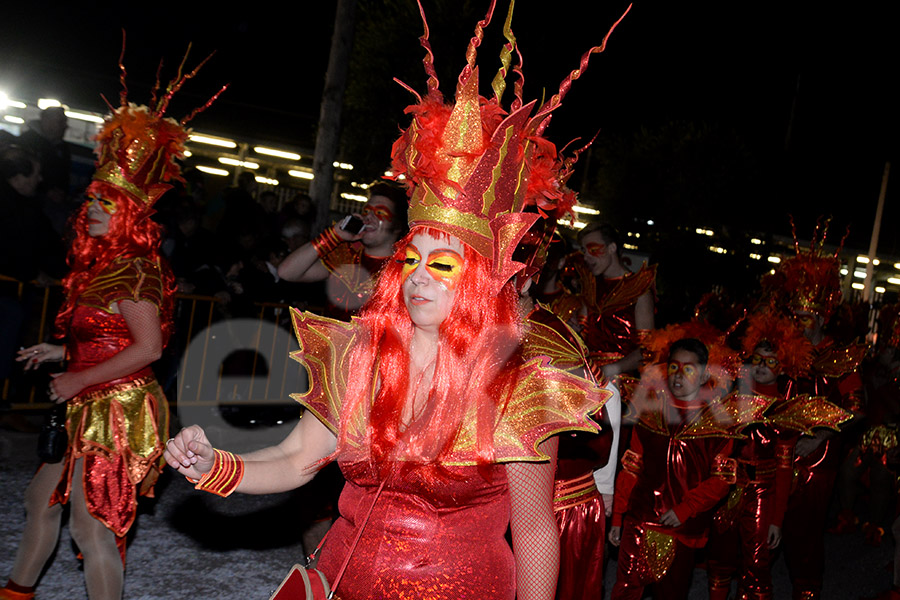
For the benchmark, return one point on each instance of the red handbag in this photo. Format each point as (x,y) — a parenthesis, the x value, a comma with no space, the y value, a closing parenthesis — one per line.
(307,582)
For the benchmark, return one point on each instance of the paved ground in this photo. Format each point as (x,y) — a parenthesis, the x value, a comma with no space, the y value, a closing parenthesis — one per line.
(194,545)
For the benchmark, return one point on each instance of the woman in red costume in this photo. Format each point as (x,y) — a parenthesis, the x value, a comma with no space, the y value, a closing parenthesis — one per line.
(436,418)
(116,320)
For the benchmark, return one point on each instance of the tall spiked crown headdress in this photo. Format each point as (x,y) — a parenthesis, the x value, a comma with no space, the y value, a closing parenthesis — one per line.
(473,166)
(810,280)
(138,145)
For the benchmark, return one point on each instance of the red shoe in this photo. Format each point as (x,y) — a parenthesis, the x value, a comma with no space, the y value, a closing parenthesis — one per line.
(8,594)
(846,522)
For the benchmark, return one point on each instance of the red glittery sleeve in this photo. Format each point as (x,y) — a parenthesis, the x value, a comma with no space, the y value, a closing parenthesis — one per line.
(626,480)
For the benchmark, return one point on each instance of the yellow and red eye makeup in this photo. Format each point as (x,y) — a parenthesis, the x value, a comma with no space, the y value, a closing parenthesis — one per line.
(689,371)
(595,249)
(108,206)
(445,266)
(769,361)
(382,213)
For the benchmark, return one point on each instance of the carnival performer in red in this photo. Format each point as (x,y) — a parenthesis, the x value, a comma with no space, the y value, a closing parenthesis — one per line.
(678,465)
(349,260)
(425,400)
(747,526)
(807,286)
(116,318)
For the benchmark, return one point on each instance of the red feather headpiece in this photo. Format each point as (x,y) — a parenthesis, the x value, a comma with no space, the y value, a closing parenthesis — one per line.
(793,350)
(471,167)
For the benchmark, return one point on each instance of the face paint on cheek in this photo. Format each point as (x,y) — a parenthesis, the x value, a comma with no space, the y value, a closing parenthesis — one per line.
(690,372)
(445,267)
(382,213)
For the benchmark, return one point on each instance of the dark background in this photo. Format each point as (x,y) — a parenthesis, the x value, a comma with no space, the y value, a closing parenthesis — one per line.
(693,100)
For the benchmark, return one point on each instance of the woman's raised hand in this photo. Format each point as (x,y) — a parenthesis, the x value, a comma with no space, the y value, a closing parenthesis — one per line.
(190,452)
(40,353)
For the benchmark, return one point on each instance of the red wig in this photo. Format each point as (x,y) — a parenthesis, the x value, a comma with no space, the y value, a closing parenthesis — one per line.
(132,234)
(476,365)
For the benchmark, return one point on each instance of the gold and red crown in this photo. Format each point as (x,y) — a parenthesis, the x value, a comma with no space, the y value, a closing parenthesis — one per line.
(473,166)
(723,364)
(793,350)
(810,280)
(138,145)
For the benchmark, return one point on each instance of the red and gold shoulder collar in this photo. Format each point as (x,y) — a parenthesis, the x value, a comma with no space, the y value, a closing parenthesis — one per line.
(546,400)
(804,412)
(136,279)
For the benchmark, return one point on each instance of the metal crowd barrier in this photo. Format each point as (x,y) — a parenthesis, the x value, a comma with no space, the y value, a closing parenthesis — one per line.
(212,360)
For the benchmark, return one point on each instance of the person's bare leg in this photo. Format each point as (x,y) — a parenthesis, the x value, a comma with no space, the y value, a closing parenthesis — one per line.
(42,524)
(103,569)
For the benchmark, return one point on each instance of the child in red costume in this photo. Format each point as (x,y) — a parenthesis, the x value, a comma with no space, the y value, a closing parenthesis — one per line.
(678,465)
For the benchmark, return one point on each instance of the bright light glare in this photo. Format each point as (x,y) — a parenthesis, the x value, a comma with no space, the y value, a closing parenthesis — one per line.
(345,166)
(266,180)
(879,290)
(755,241)
(212,141)
(212,170)
(717,249)
(774,259)
(650,222)
(894,280)
(356,197)
(585,210)
(862,259)
(362,186)
(16,120)
(5,102)
(756,256)
(301,174)
(844,271)
(277,153)
(629,246)
(48,103)
(859,274)
(188,153)
(858,286)
(74,114)
(237,163)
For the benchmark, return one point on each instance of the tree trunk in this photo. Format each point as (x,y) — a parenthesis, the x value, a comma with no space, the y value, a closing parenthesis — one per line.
(329,131)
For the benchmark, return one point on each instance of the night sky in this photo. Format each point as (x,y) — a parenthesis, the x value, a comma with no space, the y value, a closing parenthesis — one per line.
(741,67)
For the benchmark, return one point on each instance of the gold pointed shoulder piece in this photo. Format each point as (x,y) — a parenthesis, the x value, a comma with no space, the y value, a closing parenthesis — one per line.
(324,351)
(728,416)
(803,413)
(136,279)
(564,348)
(836,361)
(546,402)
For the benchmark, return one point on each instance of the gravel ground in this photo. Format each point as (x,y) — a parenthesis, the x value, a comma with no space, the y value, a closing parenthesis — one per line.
(188,544)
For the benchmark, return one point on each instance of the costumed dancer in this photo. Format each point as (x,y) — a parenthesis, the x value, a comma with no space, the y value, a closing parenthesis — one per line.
(441,427)
(116,318)
(678,465)
(747,526)
(807,286)
(349,259)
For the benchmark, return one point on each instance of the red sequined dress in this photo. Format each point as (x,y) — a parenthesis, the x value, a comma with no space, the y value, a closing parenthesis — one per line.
(118,427)
(352,278)
(437,532)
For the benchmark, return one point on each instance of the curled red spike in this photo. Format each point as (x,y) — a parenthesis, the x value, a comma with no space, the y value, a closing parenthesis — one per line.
(843,239)
(567,82)
(410,90)
(123,95)
(155,89)
(428,61)
(199,110)
(474,43)
(794,235)
(182,79)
